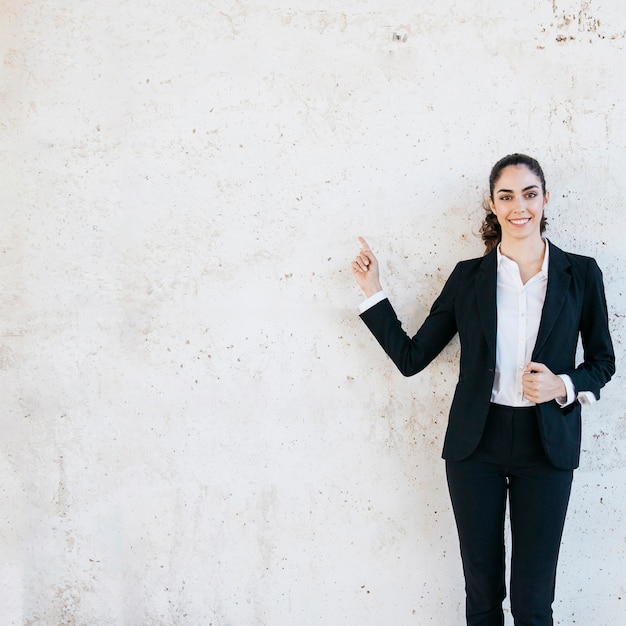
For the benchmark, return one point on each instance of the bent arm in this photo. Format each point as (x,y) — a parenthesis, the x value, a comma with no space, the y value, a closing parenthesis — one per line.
(598,364)
(413,354)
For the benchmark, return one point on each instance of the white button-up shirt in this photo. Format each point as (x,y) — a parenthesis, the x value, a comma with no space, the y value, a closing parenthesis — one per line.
(519,308)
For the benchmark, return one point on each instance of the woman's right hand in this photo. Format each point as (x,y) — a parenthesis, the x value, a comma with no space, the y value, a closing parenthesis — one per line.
(365,270)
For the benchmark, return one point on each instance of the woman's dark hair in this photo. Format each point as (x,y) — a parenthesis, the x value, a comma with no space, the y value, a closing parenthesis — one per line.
(490,230)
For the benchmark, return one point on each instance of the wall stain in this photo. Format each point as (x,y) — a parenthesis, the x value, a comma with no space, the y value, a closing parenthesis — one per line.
(581,22)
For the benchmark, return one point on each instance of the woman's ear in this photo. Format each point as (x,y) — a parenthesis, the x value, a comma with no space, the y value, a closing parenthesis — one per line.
(491,205)
(546,198)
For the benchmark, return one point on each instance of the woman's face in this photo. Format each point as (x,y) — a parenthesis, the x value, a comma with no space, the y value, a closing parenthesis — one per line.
(518,203)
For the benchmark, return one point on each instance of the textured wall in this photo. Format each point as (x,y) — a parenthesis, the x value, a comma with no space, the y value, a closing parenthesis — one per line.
(195,427)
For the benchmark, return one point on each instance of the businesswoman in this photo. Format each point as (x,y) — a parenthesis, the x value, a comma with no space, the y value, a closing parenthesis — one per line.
(514,426)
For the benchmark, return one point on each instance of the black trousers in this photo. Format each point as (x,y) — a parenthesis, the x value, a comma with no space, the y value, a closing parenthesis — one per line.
(509,461)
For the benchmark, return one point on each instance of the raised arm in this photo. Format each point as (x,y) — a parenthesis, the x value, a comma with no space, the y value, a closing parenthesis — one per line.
(410,354)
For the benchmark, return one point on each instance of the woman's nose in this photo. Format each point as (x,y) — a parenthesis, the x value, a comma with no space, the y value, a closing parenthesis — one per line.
(519,206)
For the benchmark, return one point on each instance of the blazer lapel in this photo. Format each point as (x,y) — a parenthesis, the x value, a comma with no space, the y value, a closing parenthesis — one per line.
(559,276)
(486,300)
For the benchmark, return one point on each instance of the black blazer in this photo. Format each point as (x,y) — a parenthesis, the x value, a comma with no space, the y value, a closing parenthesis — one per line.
(574,304)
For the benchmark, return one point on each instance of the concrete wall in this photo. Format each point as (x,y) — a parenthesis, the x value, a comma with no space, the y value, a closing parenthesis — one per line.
(195,427)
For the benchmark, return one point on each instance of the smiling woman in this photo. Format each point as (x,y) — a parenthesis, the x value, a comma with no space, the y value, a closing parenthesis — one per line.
(514,427)
(526,167)
(518,204)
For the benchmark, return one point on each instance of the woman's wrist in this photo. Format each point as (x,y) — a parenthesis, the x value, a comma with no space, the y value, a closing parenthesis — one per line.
(369,291)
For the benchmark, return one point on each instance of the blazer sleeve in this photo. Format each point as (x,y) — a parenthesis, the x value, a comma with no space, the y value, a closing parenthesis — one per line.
(412,354)
(598,365)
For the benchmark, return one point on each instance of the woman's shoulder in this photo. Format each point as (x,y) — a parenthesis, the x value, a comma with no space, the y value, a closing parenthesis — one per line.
(580,264)
(478,262)
(470,269)
(573,257)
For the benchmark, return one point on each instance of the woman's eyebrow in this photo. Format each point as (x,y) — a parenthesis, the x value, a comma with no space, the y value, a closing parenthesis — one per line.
(511,191)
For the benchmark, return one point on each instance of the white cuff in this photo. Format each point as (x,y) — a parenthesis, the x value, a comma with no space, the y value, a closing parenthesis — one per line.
(587,397)
(584,397)
(570,391)
(371,301)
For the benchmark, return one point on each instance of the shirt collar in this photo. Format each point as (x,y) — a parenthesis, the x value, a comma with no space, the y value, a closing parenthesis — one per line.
(544,265)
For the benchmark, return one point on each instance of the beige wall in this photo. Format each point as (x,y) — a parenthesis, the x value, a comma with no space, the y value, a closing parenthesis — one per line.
(195,427)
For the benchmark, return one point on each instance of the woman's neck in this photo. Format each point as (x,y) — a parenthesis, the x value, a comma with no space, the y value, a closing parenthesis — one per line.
(528,255)
(524,251)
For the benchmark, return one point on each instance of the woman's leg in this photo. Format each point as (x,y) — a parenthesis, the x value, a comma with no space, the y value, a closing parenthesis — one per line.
(538,496)
(478,495)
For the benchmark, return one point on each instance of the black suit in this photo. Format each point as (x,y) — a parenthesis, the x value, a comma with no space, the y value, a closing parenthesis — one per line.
(574,304)
(542,443)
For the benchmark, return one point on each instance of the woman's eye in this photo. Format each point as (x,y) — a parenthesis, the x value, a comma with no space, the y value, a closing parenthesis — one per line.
(505,197)
(532,194)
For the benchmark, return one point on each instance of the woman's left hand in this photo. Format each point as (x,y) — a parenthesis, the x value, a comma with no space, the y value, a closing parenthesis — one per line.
(541,385)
